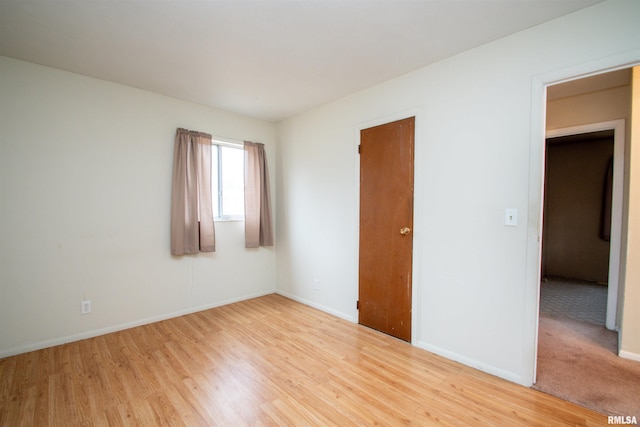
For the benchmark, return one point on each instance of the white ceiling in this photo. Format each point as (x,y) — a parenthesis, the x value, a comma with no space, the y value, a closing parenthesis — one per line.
(268,59)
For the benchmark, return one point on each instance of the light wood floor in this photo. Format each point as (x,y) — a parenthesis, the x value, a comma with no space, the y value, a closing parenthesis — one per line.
(266,361)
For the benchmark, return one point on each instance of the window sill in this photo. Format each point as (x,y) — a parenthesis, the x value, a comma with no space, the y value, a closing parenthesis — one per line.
(228,220)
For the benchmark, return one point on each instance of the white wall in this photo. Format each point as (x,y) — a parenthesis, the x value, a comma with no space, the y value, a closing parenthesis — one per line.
(479,138)
(85,182)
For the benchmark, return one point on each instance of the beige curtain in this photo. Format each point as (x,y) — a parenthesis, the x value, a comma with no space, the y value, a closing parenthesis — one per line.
(257,197)
(191,210)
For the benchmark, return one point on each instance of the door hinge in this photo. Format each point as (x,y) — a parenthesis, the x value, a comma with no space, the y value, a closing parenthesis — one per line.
(359,148)
(357,305)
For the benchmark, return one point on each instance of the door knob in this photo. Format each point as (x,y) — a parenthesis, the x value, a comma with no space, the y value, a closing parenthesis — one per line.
(404,231)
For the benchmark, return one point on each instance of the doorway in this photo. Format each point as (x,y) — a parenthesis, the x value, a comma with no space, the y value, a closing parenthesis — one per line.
(576,360)
(582,239)
(580,264)
(577,226)
(386,227)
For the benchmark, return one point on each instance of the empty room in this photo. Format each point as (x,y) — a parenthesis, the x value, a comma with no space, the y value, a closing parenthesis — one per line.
(289,212)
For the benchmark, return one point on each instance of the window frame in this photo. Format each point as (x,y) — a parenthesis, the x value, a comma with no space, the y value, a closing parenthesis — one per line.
(216,144)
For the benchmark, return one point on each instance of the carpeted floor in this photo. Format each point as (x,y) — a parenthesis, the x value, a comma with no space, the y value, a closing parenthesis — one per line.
(573,299)
(577,360)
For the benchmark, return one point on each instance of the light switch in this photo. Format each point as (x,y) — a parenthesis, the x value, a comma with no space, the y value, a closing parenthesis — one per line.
(511,217)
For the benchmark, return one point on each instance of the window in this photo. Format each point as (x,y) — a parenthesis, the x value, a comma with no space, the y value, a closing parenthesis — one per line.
(227,180)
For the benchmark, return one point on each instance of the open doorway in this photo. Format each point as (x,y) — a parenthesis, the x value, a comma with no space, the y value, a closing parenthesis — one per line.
(584,182)
(577,227)
(577,356)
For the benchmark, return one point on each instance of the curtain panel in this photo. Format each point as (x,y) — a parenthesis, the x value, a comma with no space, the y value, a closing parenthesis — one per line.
(192,229)
(257,197)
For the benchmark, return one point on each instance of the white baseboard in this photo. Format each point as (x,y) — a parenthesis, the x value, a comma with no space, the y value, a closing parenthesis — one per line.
(629,355)
(121,327)
(509,376)
(318,306)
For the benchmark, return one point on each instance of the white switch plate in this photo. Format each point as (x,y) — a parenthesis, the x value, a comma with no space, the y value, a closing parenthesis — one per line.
(511,217)
(85,307)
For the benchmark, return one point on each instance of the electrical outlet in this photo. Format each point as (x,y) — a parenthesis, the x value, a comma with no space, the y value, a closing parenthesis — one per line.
(316,284)
(85,307)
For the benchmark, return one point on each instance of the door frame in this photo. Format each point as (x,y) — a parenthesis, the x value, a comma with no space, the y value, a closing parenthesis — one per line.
(415,291)
(539,84)
(615,243)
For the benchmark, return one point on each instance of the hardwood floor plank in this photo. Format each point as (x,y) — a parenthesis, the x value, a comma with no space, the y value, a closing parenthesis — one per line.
(268,361)
(41,403)
(7,376)
(476,404)
(529,401)
(358,401)
(433,413)
(222,399)
(399,405)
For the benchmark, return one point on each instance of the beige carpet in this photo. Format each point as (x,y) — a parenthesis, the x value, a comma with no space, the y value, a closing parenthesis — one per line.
(577,361)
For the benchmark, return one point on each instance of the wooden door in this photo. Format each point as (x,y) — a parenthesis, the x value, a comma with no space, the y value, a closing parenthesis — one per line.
(386,227)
